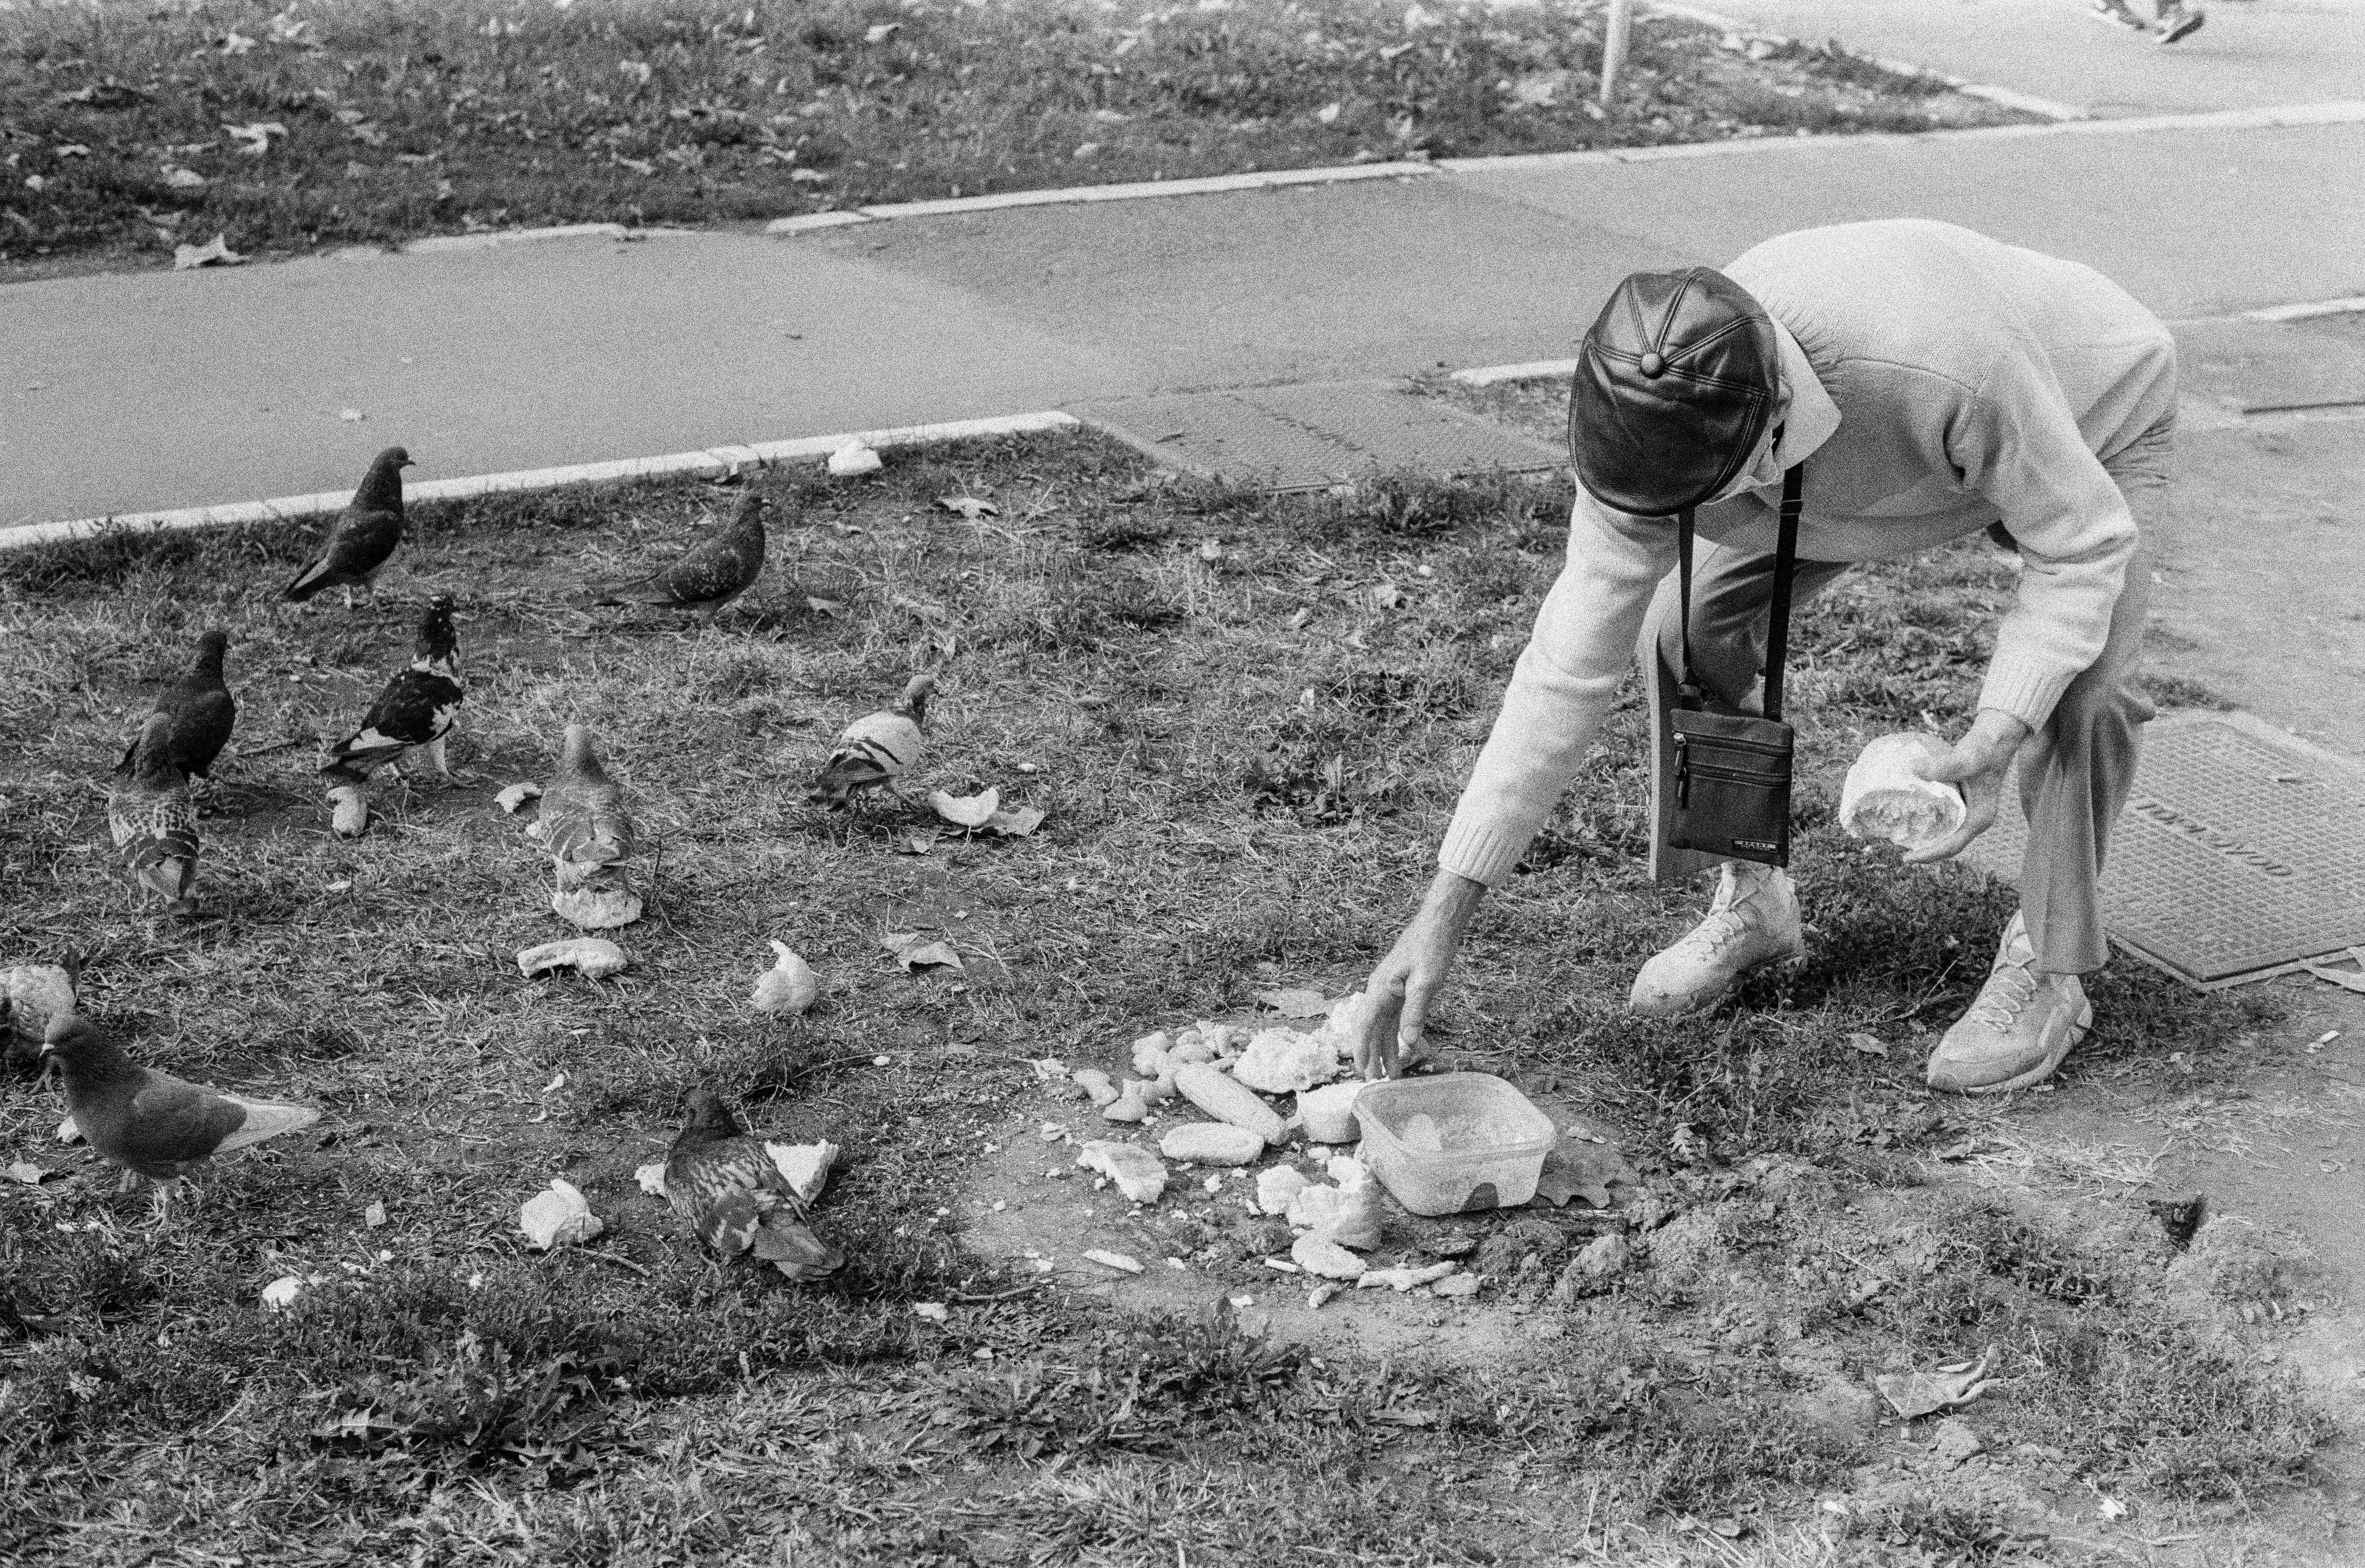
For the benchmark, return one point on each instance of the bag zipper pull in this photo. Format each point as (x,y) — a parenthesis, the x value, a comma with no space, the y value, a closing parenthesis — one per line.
(1682,771)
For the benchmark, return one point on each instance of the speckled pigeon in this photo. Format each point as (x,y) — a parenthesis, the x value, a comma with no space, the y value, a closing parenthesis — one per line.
(415,712)
(154,822)
(711,573)
(721,1181)
(364,536)
(874,749)
(583,821)
(150,1123)
(202,711)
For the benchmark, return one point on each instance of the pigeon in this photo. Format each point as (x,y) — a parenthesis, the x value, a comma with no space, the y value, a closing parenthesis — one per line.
(583,821)
(30,995)
(720,1180)
(415,712)
(153,821)
(364,536)
(202,711)
(150,1123)
(875,748)
(711,573)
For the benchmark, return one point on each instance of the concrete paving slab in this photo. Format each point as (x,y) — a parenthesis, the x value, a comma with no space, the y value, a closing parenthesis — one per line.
(2264,366)
(2250,54)
(1305,284)
(151,390)
(2192,223)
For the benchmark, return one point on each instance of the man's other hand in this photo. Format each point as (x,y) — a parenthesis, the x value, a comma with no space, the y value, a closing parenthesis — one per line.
(1405,985)
(1977,765)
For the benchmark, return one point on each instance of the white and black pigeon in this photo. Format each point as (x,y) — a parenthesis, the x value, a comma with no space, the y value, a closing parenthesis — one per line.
(722,1182)
(416,711)
(153,821)
(710,573)
(202,711)
(583,821)
(150,1123)
(875,749)
(364,536)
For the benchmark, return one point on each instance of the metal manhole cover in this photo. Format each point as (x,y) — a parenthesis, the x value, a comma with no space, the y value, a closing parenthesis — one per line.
(2241,853)
(1304,437)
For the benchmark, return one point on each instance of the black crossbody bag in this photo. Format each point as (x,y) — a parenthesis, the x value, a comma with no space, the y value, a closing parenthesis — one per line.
(1732,771)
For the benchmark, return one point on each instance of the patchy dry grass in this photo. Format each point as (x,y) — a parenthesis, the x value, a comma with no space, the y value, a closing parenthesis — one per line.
(1245,762)
(381,120)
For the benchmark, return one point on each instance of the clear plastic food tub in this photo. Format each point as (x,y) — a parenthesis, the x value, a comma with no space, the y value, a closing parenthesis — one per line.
(1455,1142)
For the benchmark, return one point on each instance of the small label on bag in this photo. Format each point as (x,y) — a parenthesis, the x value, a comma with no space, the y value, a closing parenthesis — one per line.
(1754,843)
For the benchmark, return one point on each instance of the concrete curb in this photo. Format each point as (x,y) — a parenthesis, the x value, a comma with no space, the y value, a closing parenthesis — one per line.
(1527,370)
(713,460)
(2347,306)
(2003,97)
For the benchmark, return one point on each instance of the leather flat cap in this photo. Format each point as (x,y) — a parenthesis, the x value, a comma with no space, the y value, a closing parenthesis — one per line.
(1674,389)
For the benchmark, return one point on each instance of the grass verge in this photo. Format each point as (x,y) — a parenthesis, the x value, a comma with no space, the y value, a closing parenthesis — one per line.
(129,129)
(1246,756)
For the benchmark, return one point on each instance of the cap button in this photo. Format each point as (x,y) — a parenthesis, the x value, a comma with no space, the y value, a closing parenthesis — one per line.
(1653,365)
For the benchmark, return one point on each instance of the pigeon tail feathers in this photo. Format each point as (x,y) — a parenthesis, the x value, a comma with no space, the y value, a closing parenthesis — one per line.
(264,1119)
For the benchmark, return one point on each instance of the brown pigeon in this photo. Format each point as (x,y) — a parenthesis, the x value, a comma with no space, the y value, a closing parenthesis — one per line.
(150,1123)
(415,712)
(875,748)
(30,995)
(153,821)
(711,573)
(720,1180)
(202,711)
(583,821)
(364,536)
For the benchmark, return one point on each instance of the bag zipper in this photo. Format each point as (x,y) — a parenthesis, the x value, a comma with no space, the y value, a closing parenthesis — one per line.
(1685,766)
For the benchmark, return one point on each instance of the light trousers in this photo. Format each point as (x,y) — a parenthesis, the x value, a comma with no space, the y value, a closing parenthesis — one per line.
(2075,771)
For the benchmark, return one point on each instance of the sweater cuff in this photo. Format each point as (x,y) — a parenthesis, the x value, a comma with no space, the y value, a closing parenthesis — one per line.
(2026,690)
(1481,849)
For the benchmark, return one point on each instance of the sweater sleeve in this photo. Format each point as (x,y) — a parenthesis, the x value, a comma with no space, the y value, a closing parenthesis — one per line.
(1566,676)
(2017,444)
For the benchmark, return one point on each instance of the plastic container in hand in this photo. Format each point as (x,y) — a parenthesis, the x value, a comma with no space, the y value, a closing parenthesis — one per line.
(1456,1142)
(1886,796)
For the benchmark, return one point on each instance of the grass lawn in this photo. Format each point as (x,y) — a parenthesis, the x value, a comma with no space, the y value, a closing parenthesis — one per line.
(129,128)
(1245,755)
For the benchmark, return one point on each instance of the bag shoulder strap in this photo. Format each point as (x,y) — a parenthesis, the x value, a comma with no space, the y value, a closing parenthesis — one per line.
(1786,561)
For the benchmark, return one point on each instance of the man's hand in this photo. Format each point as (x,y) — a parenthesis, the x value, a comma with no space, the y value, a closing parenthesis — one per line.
(1977,765)
(1407,981)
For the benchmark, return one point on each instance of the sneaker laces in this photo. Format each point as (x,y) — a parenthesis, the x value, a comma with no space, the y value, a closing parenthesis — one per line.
(1728,917)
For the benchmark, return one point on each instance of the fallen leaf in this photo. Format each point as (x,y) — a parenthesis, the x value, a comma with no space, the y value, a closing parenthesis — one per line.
(1296,1003)
(968,506)
(180,179)
(1581,1168)
(217,255)
(966,811)
(29,1174)
(2113,1508)
(281,1292)
(254,139)
(915,952)
(1211,550)
(1016,822)
(1328,114)
(1916,1393)
(374,1215)
(1868,1045)
(2347,979)
(1406,1417)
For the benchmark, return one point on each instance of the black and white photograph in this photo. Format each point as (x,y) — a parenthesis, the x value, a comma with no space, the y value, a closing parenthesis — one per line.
(1183,783)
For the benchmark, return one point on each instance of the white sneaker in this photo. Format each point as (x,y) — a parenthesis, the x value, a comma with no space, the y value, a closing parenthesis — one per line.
(2018,1029)
(1753,922)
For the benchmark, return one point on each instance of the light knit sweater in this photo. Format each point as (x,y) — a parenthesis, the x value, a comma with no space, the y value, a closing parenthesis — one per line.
(1972,381)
